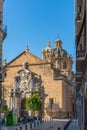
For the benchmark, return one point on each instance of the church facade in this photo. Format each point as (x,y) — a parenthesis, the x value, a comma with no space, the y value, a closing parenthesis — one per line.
(50,77)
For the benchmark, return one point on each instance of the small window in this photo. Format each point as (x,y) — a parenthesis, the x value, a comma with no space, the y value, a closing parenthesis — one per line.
(5,74)
(51,103)
(26,65)
(64,65)
(80,46)
(79,9)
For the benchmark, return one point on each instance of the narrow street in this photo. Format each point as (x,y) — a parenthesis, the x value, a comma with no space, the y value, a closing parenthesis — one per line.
(74,125)
(53,125)
(49,125)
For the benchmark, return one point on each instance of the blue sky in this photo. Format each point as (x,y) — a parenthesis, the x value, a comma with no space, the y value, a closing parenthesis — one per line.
(34,22)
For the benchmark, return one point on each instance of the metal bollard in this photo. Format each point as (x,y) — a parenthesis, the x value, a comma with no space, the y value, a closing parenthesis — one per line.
(34,124)
(20,128)
(30,125)
(25,127)
(37,123)
(40,122)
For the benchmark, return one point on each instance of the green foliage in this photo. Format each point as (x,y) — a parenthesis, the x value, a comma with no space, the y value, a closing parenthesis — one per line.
(33,102)
(4,108)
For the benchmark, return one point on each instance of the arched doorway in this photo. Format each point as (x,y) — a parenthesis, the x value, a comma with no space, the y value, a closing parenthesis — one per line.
(23,108)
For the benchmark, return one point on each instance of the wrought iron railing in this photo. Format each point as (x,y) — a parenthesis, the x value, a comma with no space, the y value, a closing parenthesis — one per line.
(78,37)
(4,29)
(80,53)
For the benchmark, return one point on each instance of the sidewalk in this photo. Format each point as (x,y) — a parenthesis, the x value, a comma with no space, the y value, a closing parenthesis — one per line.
(74,125)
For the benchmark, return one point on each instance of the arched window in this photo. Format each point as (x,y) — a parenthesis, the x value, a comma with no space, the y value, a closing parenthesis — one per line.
(64,65)
(26,65)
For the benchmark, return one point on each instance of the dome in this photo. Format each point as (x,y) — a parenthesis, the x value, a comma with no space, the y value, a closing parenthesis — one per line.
(64,53)
(59,52)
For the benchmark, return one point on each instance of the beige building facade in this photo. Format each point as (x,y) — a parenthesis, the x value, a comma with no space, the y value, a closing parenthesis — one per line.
(50,77)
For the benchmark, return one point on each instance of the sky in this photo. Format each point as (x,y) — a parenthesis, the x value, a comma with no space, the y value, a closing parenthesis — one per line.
(34,23)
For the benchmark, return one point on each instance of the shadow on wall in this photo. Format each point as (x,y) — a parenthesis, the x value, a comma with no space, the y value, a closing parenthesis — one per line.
(55,111)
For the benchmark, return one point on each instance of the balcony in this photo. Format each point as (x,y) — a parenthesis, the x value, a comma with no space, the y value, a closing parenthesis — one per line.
(80,66)
(78,17)
(78,74)
(81,27)
(80,55)
(79,77)
(3,30)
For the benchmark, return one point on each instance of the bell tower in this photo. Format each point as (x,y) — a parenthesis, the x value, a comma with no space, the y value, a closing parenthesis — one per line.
(58,43)
(47,52)
(3,30)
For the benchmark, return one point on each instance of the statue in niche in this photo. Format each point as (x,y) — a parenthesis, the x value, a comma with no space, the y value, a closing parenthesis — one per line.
(16,82)
(31,83)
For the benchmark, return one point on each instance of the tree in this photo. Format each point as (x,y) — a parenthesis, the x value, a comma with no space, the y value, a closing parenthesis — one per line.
(33,102)
(4,108)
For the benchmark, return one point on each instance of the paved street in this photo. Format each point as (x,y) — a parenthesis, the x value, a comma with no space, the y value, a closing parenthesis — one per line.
(74,125)
(49,125)
(53,125)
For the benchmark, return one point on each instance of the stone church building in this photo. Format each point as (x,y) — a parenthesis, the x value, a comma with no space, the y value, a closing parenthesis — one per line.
(50,76)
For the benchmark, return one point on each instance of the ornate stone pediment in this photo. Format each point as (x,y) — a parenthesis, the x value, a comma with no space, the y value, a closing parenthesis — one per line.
(27,82)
